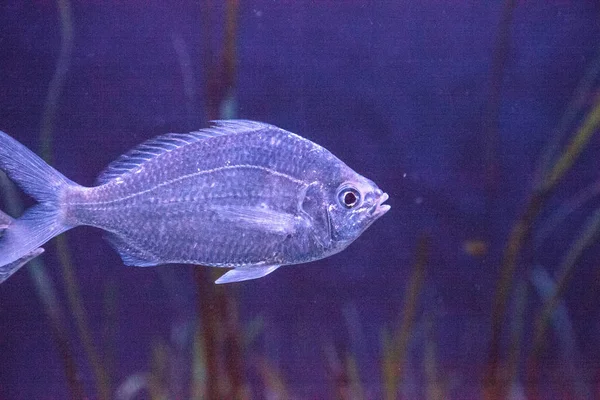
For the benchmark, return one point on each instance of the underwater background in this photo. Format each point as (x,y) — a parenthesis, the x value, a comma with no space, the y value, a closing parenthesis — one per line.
(480,120)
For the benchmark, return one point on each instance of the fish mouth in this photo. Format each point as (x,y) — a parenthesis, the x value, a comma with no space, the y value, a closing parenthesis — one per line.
(379,209)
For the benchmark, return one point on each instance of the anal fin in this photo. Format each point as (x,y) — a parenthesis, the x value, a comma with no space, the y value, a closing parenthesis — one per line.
(131,254)
(246,273)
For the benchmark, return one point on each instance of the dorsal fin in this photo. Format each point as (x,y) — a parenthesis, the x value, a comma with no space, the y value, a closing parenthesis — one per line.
(152,148)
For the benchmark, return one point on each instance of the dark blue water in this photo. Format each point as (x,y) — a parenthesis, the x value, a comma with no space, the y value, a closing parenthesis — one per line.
(447,106)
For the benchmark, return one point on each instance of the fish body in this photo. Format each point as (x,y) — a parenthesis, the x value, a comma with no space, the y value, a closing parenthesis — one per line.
(242,194)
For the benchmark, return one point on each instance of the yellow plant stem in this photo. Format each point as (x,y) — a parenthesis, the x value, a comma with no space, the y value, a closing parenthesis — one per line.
(575,147)
(583,241)
(394,361)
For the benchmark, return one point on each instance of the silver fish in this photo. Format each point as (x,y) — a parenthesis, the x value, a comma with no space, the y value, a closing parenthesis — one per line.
(241,194)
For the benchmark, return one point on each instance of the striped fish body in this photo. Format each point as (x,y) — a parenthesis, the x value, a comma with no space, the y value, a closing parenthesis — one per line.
(227,200)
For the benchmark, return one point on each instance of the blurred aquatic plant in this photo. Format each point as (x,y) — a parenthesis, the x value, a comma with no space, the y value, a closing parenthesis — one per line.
(343,374)
(187,74)
(516,333)
(275,386)
(519,244)
(46,292)
(519,236)
(132,387)
(546,288)
(492,110)
(45,289)
(395,347)
(220,66)
(46,132)
(570,206)
(217,305)
(566,269)
(435,389)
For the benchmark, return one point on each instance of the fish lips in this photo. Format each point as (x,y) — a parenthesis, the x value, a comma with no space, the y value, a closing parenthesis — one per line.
(379,208)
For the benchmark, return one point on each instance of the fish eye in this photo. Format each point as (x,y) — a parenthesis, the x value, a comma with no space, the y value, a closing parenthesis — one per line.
(349,197)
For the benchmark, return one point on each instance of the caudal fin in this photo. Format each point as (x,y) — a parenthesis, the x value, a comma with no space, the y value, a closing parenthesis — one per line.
(30,172)
(41,222)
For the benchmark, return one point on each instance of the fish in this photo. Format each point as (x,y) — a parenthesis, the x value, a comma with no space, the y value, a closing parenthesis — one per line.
(7,270)
(240,194)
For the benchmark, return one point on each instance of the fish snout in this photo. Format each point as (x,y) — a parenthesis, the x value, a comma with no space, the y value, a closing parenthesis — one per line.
(379,208)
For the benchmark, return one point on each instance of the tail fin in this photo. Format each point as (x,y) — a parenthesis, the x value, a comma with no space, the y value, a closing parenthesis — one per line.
(41,222)
(30,172)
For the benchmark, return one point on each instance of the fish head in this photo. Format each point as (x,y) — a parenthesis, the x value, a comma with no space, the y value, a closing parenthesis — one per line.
(354,204)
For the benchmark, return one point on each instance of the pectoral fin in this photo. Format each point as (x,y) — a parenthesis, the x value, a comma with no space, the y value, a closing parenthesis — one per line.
(246,273)
(257,218)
